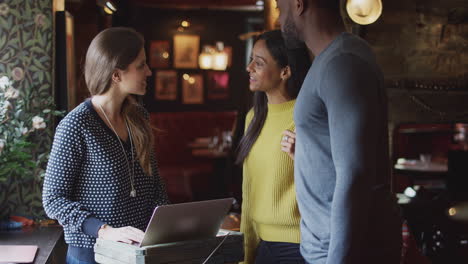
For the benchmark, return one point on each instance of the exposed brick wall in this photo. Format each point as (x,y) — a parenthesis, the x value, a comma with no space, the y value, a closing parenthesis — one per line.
(422,48)
(416,39)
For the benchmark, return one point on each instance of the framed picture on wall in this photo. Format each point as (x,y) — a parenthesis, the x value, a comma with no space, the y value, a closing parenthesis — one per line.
(217,85)
(165,85)
(192,88)
(159,54)
(186,49)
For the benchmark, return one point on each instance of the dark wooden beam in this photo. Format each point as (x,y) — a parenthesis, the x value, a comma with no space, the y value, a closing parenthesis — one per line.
(184,4)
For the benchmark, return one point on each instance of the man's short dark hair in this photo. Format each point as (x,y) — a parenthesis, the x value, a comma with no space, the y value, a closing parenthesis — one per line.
(328,4)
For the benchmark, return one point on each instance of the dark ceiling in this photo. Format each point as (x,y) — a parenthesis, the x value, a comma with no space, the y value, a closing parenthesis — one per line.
(191,4)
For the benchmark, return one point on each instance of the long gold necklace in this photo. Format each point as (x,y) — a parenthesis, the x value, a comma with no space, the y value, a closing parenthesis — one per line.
(132,172)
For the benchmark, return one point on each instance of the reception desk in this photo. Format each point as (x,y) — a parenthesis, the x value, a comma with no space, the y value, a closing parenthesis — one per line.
(51,246)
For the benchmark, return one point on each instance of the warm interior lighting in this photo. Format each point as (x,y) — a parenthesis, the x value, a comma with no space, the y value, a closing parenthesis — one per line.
(452,211)
(111,6)
(191,80)
(364,12)
(165,55)
(108,10)
(220,57)
(205,60)
(220,61)
(186,76)
(271,15)
(107,5)
(214,59)
(459,211)
(185,24)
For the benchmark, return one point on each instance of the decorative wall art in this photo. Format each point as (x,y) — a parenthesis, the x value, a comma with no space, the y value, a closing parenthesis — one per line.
(186,49)
(192,89)
(159,54)
(217,85)
(165,85)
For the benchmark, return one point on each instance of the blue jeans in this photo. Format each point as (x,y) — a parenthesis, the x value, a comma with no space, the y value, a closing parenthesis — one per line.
(86,255)
(278,253)
(73,260)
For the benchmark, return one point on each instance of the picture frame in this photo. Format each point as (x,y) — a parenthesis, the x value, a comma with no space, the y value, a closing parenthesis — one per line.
(217,85)
(192,88)
(186,50)
(165,84)
(159,54)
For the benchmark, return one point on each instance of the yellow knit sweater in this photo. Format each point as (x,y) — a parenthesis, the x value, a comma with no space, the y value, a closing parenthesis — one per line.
(269,207)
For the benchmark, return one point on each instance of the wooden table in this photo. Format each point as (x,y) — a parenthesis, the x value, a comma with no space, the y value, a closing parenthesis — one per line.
(418,166)
(430,175)
(52,248)
(209,153)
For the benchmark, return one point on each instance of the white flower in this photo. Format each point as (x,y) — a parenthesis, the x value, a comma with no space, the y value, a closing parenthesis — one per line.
(24,130)
(38,122)
(4,83)
(11,93)
(2,145)
(7,105)
(4,9)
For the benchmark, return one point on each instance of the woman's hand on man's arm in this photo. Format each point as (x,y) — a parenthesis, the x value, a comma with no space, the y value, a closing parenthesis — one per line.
(288,143)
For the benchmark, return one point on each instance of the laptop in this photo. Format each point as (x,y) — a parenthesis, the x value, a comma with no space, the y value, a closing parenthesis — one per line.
(186,221)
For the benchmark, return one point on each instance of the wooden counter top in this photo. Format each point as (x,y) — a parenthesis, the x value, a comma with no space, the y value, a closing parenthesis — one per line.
(48,239)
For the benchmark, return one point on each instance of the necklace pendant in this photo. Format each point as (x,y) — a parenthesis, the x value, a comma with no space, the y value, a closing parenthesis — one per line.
(133,193)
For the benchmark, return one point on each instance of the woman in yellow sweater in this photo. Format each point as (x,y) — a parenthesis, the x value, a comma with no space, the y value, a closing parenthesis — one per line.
(270,216)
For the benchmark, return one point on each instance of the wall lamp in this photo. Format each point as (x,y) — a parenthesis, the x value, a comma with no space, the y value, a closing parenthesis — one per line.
(364,12)
(107,5)
(185,24)
(213,58)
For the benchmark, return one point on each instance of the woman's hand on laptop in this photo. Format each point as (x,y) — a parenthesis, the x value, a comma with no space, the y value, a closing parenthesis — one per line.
(125,234)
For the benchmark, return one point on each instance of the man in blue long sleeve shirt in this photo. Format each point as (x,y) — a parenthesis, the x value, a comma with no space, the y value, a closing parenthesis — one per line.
(341,165)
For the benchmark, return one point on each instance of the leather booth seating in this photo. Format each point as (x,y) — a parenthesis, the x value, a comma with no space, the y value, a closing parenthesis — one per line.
(186,177)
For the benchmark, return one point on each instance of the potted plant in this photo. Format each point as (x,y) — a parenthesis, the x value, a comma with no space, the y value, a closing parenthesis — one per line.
(24,147)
